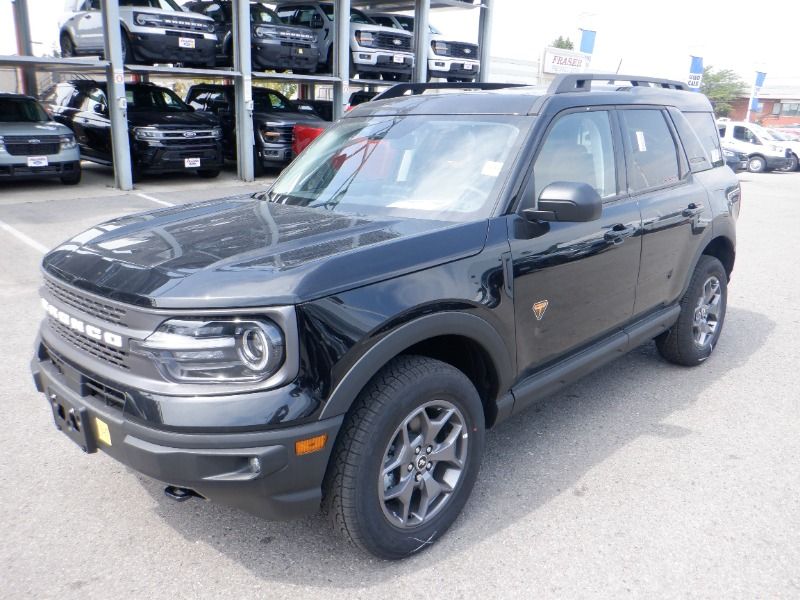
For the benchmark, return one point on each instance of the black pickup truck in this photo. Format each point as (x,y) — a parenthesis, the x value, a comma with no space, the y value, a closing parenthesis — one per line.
(429,267)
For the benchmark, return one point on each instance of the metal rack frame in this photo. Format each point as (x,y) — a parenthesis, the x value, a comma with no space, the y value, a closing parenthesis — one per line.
(114,71)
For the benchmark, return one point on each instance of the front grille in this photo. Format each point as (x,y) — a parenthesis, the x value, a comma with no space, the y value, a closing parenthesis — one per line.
(101,310)
(459,50)
(86,385)
(292,35)
(186,137)
(295,44)
(285,133)
(390,41)
(184,24)
(111,355)
(27,145)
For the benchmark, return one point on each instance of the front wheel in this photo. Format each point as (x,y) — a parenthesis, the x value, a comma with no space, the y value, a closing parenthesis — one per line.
(407,457)
(695,334)
(757,164)
(208,173)
(67,46)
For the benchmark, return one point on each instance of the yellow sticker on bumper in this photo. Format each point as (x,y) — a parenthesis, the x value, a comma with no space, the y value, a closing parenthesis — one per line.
(103,434)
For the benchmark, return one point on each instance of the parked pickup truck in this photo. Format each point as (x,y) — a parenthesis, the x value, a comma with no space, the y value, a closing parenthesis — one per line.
(425,270)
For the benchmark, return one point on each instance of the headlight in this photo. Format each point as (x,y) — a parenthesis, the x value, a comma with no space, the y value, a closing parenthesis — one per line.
(217,133)
(2,144)
(269,133)
(199,351)
(728,153)
(68,142)
(365,38)
(147,19)
(439,48)
(263,32)
(210,27)
(147,133)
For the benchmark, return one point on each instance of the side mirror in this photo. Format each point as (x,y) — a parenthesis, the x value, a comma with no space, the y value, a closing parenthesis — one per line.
(316,22)
(568,201)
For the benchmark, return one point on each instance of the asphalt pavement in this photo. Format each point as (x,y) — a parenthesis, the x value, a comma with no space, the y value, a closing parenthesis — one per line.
(642,480)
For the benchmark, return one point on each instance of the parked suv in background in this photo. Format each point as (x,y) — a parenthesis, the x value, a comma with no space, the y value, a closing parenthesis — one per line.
(374,50)
(32,145)
(274,118)
(422,272)
(274,45)
(454,61)
(165,134)
(153,31)
(763,152)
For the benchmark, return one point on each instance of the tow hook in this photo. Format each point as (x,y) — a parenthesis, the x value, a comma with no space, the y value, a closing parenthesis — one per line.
(180,494)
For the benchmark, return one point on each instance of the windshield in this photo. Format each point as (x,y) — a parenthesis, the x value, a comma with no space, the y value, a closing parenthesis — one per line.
(271,101)
(777,135)
(356,16)
(21,110)
(261,14)
(446,168)
(162,4)
(154,98)
(762,132)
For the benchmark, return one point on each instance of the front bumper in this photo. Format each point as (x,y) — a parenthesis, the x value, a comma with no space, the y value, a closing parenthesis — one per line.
(275,54)
(18,170)
(165,47)
(371,61)
(453,67)
(256,471)
(162,158)
(272,155)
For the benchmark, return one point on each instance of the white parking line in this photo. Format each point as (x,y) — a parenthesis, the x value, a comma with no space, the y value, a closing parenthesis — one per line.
(24,238)
(156,200)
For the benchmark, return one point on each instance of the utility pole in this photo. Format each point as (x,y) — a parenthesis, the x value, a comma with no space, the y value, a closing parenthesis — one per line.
(26,75)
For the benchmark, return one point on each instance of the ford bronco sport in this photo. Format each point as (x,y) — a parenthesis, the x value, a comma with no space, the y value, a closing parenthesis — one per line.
(430,266)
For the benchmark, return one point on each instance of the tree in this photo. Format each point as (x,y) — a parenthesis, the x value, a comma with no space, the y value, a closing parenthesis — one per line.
(563,43)
(722,87)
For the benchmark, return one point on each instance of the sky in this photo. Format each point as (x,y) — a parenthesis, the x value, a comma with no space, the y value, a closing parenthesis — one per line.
(649,38)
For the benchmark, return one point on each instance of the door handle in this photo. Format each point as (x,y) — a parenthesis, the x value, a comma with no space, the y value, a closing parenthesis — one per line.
(692,210)
(618,233)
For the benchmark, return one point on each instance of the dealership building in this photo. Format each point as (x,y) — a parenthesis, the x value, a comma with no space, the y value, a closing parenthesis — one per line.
(777,106)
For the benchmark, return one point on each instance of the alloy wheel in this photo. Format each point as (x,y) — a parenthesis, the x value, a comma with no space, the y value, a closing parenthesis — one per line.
(707,312)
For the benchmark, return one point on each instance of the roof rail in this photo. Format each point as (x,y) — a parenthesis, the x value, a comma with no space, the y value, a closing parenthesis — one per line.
(582,82)
(402,89)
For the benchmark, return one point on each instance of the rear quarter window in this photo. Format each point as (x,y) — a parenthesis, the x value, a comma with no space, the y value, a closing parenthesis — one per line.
(700,156)
(703,125)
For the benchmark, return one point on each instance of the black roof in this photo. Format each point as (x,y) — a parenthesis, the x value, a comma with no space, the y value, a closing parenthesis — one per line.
(15,96)
(564,92)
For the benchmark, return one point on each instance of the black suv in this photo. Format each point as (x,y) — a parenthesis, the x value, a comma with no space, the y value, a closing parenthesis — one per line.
(274,118)
(432,265)
(165,133)
(274,44)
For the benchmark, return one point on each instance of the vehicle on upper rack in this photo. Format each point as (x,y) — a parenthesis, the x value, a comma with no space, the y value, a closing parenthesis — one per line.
(153,31)
(763,152)
(274,44)
(375,50)
(426,269)
(165,134)
(450,60)
(274,119)
(32,145)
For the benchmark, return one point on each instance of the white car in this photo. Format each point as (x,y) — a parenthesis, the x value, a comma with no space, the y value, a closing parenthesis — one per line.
(153,31)
(790,142)
(764,153)
(454,61)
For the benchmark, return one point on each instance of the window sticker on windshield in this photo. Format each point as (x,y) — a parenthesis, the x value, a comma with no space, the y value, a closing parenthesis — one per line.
(491,168)
(640,141)
(405,165)
(714,155)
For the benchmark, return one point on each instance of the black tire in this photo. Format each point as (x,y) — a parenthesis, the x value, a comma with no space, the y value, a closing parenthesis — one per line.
(405,387)
(258,166)
(680,344)
(67,45)
(208,173)
(73,178)
(128,57)
(757,164)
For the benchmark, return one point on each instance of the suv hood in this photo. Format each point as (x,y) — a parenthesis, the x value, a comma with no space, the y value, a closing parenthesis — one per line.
(379,29)
(241,252)
(173,119)
(34,129)
(287,118)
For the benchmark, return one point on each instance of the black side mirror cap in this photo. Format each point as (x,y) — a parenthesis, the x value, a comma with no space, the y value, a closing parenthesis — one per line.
(568,201)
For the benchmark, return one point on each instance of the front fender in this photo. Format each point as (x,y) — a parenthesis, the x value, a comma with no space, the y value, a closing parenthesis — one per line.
(405,336)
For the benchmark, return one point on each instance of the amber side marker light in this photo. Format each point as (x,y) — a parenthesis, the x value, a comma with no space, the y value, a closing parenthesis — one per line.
(314,444)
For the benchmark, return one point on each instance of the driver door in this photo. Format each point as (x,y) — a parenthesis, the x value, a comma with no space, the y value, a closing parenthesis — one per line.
(575,282)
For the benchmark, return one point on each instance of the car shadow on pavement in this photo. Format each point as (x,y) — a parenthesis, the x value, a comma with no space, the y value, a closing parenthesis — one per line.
(529,460)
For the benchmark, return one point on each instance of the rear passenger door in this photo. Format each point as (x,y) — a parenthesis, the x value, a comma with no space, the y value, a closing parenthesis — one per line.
(674,205)
(575,282)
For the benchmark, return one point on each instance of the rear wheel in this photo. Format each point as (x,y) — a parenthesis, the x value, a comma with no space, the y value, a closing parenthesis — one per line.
(695,334)
(67,45)
(757,164)
(407,457)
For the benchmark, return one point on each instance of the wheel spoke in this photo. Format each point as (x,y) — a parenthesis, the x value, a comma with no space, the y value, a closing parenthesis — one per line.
(435,426)
(431,490)
(446,451)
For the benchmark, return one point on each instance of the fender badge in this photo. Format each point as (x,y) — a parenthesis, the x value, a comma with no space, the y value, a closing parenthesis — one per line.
(539,308)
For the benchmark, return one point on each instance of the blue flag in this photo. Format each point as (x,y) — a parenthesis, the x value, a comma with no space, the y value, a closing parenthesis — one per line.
(587,40)
(755,105)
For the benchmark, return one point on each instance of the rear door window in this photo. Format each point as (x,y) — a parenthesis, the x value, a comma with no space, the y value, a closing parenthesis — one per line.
(650,151)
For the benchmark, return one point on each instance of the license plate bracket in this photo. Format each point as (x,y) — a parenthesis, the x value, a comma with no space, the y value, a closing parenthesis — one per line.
(186,42)
(191,163)
(74,422)
(37,161)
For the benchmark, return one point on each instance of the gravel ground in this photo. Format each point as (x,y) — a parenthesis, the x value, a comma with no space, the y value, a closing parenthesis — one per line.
(644,479)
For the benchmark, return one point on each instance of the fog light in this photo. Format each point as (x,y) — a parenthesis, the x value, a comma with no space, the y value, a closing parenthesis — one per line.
(314,444)
(255,465)
(363,56)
